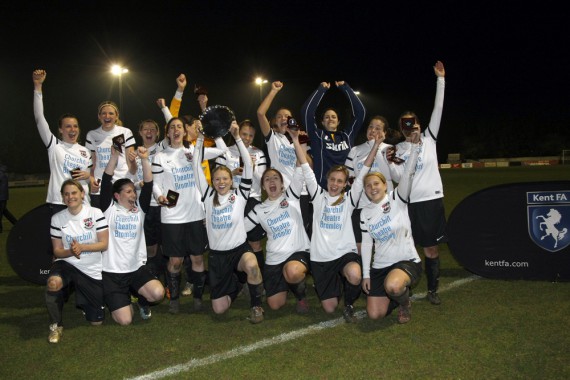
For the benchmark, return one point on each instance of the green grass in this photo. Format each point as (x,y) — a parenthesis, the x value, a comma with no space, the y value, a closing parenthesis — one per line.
(484,328)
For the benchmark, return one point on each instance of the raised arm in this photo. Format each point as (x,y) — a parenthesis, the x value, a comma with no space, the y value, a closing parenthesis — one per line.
(38,77)
(435,119)
(309,109)
(244,153)
(264,124)
(146,191)
(358,110)
(165,111)
(176,101)
(405,185)
(358,185)
(199,175)
(310,180)
(106,181)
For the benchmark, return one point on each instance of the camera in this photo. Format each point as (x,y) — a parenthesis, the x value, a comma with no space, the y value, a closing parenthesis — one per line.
(407,123)
(292,124)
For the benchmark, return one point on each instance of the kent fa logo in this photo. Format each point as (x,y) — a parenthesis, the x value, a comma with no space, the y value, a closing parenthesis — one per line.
(549,219)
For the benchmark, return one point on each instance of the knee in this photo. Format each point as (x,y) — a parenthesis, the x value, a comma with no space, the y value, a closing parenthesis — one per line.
(157,294)
(221,305)
(252,268)
(431,252)
(394,289)
(275,304)
(123,320)
(375,314)
(197,260)
(54,284)
(329,307)
(293,275)
(354,277)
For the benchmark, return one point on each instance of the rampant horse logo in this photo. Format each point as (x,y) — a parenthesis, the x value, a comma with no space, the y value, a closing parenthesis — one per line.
(548,226)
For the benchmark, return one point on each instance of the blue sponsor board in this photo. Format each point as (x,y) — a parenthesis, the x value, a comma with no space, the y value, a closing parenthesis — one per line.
(514,231)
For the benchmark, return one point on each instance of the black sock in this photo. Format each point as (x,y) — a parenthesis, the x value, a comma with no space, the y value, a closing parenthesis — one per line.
(255,293)
(174,285)
(403,298)
(143,302)
(54,303)
(260,259)
(153,265)
(188,269)
(432,273)
(351,293)
(199,280)
(299,290)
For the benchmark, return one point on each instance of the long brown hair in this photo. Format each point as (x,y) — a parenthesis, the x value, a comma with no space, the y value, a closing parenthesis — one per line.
(217,168)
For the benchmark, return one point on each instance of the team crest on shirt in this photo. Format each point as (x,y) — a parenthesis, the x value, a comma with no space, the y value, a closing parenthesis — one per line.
(88,223)
(386,207)
(83,153)
(188,156)
(284,203)
(232,198)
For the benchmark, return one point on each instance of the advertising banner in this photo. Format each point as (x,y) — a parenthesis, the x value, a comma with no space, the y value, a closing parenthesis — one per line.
(514,231)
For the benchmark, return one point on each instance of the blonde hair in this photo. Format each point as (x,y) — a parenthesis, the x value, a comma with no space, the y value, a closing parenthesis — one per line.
(344,170)
(110,103)
(375,174)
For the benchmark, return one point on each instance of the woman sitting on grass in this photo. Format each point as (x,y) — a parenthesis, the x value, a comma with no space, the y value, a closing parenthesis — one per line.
(124,269)
(386,226)
(287,250)
(334,258)
(78,235)
(229,250)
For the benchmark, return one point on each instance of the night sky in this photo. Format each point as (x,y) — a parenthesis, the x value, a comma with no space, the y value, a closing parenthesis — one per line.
(506,65)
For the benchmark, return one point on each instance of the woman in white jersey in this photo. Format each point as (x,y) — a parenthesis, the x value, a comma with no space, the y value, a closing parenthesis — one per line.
(124,269)
(182,214)
(280,150)
(79,234)
(150,134)
(334,257)
(287,248)
(67,158)
(197,275)
(229,250)
(426,198)
(355,161)
(386,228)
(99,141)
(233,161)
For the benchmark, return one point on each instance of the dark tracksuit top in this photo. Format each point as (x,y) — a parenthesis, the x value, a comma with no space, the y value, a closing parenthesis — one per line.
(328,148)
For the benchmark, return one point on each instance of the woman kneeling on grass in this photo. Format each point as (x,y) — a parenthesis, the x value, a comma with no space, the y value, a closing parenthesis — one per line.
(124,269)
(287,251)
(229,250)
(78,235)
(334,257)
(385,224)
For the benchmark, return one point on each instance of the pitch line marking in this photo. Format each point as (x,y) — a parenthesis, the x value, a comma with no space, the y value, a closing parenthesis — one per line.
(285,337)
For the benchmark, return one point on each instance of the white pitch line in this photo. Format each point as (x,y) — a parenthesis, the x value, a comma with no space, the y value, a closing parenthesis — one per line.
(243,350)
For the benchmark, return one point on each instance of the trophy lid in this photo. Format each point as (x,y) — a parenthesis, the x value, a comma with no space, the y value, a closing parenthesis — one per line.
(216,121)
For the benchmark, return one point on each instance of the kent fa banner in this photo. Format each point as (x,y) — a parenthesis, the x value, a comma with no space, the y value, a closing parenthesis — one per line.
(514,231)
